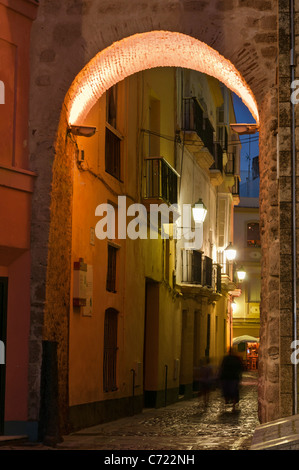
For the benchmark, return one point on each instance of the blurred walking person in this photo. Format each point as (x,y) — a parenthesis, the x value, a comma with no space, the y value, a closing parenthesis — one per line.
(230,376)
(205,380)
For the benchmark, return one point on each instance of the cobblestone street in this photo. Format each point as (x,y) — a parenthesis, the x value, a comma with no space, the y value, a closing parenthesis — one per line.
(186,425)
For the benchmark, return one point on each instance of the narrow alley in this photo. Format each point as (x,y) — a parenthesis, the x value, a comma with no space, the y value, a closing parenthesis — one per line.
(186,425)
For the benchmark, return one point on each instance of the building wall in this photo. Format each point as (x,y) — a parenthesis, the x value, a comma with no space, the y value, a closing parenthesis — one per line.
(16,188)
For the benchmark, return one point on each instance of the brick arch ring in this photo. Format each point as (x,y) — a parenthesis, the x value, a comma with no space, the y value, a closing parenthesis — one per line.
(149,50)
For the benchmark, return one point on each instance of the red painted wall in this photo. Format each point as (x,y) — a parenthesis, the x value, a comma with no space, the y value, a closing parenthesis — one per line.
(16,187)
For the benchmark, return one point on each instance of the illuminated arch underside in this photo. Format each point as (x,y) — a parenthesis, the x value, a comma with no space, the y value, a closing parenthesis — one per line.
(149,50)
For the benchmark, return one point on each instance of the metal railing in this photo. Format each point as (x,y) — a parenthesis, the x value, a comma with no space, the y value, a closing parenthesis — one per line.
(217,277)
(199,269)
(192,267)
(161,180)
(194,120)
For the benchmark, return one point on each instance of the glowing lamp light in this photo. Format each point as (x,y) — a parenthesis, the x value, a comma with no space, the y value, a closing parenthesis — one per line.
(241,274)
(199,212)
(146,51)
(230,252)
(234,306)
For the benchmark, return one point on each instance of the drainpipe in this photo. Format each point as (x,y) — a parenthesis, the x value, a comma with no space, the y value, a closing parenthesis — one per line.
(294,267)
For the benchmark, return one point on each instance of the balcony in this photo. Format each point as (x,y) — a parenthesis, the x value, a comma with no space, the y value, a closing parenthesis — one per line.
(191,267)
(200,275)
(216,170)
(160,181)
(198,132)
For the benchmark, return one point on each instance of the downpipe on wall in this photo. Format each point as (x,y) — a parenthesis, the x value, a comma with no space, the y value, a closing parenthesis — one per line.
(293,156)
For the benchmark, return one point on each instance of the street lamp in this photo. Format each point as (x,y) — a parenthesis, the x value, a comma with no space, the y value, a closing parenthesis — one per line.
(199,212)
(241,273)
(230,252)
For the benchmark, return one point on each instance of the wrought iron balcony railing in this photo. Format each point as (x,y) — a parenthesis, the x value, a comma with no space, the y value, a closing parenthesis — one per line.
(194,120)
(161,180)
(112,154)
(191,267)
(200,270)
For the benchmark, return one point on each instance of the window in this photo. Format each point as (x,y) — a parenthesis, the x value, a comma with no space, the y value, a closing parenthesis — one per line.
(112,138)
(253,234)
(110,350)
(111,269)
(191,266)
(217,277)
(207,271)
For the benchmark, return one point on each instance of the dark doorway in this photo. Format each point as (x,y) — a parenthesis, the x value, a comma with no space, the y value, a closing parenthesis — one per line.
(3,322)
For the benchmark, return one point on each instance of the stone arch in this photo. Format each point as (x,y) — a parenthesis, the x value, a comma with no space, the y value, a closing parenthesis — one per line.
(85,90)
(148,50)
(66,36)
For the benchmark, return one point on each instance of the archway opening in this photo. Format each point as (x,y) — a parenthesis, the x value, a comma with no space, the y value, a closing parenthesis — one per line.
(109,67)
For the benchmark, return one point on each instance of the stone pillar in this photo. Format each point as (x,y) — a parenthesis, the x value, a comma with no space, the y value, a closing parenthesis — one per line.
(269,350)
(276,390)
(285,211)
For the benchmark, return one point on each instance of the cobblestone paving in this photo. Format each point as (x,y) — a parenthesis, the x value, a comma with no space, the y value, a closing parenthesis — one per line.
(186,425)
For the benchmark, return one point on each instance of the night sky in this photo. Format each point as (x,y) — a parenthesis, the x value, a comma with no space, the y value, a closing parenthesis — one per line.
(250,143)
